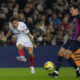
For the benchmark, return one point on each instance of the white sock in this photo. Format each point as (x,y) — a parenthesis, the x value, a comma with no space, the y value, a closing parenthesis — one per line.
(77,69)
(56,72)
(32,69)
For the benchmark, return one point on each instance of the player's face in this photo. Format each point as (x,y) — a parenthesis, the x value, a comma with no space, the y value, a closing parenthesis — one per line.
(73,11)
(15,24)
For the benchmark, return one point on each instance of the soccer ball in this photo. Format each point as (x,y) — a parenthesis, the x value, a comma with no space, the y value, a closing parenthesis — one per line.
(49,66)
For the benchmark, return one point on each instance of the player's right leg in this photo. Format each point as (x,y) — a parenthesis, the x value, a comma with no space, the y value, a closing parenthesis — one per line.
(60,58)
(21,53)
(59,62)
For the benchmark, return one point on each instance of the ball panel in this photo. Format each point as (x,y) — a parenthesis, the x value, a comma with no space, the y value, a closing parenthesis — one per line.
(49,66)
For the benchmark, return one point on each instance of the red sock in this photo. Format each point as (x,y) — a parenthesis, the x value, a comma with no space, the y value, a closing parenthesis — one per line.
(21,52)
(31,61)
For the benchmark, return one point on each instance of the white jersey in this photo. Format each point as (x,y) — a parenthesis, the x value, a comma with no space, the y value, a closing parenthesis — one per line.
(21,30)
(21,34)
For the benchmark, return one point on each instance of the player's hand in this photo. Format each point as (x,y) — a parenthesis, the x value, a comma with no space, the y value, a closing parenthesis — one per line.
(5,39)
(34,45)
(78,38)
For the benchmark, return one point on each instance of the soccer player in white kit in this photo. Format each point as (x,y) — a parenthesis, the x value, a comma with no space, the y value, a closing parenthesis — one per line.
(24,39)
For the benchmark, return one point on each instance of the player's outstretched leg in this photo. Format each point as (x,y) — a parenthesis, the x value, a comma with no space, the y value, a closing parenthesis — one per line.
(72,62)
(31,58)
(21,53)
(58,63)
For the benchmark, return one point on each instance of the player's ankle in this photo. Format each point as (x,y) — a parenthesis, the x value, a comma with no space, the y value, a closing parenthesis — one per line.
(56,72)
(77,69)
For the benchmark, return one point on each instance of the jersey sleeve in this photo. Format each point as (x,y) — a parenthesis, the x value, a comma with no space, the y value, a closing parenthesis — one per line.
(10,27)
(25,28)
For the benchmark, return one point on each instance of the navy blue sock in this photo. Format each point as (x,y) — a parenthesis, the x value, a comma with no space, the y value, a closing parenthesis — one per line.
(72,63)
(59,62)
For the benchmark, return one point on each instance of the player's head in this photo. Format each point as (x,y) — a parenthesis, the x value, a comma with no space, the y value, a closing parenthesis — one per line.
(14,21)
(74,9)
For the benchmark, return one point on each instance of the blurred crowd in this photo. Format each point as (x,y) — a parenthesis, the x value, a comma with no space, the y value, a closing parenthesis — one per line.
(49,21)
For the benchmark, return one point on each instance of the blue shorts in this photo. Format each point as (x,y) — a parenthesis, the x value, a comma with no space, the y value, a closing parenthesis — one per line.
(72,45)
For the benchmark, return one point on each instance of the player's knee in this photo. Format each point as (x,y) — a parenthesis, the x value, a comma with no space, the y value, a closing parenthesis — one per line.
(19,46)
(67,56)
(61,52)
(30,52)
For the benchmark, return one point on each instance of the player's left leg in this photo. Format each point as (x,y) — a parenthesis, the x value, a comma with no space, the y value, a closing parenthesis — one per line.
(31,58)
(58,63)
(21,53)
(67,56)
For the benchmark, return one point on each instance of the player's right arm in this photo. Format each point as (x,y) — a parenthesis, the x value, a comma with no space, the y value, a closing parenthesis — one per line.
(8,34)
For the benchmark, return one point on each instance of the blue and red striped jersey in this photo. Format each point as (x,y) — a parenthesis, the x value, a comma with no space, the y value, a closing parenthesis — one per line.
(76,30)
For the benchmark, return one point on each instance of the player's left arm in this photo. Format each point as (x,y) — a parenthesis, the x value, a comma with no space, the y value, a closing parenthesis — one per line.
(26,30)
(32,39)
(78,37)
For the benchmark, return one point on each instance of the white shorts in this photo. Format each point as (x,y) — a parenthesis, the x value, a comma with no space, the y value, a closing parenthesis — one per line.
(26,42)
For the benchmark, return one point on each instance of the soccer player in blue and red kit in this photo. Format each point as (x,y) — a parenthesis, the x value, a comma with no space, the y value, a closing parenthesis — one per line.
(71,45)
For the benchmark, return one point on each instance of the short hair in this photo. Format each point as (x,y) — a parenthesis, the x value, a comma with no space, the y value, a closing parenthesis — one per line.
(74,5)
(13,19)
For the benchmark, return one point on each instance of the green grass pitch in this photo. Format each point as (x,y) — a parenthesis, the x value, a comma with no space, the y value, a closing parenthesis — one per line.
(41,74)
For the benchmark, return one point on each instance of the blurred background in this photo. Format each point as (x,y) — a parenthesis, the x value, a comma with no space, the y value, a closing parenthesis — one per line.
(49,21)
